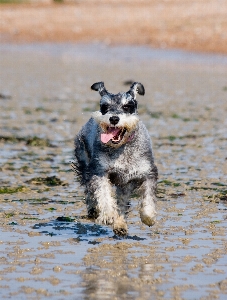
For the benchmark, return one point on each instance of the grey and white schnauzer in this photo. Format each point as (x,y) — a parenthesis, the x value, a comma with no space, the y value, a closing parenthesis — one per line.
(114,158)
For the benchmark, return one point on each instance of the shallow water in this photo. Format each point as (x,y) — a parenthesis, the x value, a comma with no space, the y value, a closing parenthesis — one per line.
(49,249)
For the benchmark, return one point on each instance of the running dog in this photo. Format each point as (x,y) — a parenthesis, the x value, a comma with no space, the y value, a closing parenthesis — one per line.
(113,158)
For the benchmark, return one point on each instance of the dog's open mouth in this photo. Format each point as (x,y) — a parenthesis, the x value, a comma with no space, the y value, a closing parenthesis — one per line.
(114,134)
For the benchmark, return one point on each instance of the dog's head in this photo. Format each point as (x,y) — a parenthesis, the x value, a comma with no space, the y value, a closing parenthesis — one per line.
(118,114)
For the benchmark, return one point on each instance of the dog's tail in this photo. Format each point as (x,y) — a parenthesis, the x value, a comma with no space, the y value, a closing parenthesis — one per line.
(79,165)
(78,169)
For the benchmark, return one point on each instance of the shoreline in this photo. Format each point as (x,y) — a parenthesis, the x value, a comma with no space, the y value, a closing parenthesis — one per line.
(101,51)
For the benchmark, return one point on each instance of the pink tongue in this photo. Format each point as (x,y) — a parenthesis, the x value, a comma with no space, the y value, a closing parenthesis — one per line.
(105,137)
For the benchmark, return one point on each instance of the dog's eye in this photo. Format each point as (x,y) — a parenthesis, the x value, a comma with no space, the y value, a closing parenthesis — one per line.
(104,108)
(129,108)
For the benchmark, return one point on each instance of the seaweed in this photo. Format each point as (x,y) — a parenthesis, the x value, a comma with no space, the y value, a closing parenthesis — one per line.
(169,183)
(12,223)
(49,181)
(187,136)
(11,190)
(9,215)
(65,219)
(38,142)
(51,209)
(29,141)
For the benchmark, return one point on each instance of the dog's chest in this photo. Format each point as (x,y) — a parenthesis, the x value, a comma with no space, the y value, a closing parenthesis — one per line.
(126,165)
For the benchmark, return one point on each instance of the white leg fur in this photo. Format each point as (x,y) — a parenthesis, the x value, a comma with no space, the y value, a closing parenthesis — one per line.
(147,210)
(101,199)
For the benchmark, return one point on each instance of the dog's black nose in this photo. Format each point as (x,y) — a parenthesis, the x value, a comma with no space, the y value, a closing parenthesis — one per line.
(114,120)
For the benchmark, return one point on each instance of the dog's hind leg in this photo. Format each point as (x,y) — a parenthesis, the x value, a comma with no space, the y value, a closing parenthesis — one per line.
(123,203)
(120,226)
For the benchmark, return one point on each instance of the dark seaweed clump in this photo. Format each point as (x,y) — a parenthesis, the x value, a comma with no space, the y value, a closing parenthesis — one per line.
(49,181)
(11,190)
(29,141)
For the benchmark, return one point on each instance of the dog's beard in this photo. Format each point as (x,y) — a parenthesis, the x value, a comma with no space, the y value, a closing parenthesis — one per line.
(119,134)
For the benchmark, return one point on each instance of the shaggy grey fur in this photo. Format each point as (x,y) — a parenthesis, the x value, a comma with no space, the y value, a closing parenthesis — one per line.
(113,158)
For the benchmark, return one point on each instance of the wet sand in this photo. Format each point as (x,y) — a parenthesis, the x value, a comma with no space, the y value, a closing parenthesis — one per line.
(49,249)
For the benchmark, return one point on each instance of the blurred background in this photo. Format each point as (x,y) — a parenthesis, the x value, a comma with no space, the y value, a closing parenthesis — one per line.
(196,25)
(51,52)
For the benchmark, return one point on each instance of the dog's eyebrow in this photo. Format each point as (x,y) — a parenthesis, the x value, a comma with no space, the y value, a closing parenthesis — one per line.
(105,99)
(120,98)
(130,102)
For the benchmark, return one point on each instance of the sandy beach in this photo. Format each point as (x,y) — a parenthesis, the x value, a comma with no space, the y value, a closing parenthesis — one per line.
(199,25)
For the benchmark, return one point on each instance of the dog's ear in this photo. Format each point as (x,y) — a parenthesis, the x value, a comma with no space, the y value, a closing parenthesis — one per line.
(135,88)
(99,86)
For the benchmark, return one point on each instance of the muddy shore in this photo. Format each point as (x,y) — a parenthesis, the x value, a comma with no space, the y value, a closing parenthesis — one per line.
(191,25)
(49,249)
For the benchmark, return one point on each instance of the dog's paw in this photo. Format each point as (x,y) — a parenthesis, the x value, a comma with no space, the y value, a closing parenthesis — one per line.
(120,227)
(104,219)
(147,220)
(147,215)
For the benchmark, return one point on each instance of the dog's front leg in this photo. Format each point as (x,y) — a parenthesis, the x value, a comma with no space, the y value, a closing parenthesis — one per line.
(100,202)
(147,209)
